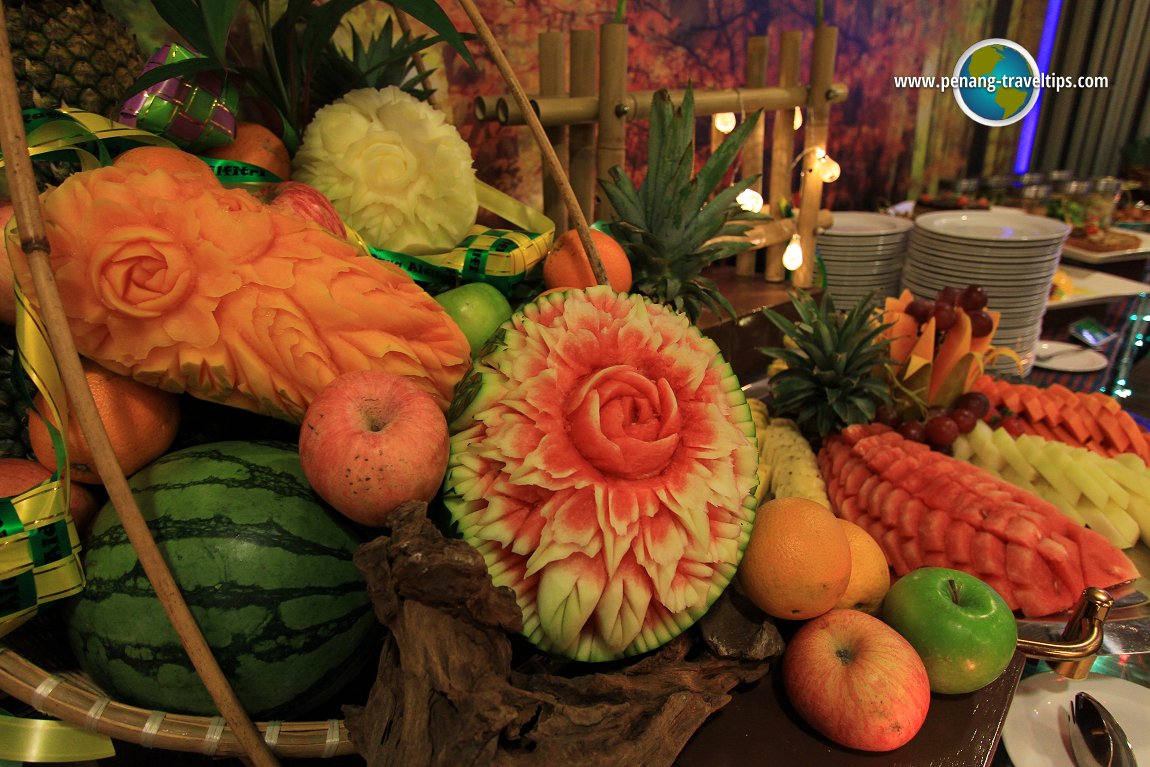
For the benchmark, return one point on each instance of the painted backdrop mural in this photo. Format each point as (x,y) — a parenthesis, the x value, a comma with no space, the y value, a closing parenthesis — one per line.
(891,143)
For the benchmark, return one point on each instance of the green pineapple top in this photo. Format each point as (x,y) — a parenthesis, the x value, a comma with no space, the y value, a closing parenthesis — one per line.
(830,379)
(668,223)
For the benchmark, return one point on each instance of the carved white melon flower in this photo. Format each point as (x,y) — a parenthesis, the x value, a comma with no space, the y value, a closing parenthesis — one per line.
(393,167)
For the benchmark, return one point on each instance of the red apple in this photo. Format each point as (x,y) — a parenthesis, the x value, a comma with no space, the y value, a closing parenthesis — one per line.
(371,440)
(304,202)
(856,681)
(20,474)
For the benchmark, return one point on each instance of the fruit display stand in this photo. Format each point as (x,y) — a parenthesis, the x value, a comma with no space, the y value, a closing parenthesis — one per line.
(436,596)
(232,733)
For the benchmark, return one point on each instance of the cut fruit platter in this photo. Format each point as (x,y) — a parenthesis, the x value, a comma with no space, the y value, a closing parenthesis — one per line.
(521,517)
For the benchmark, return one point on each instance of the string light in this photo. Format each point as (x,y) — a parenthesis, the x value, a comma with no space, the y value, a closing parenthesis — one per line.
(824,167)
(724,122)
(798,117)
(750,200)
(827,169)
(793,255)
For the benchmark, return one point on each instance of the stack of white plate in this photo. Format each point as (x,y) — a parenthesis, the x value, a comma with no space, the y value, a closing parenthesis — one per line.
(1012,254)
(863,254)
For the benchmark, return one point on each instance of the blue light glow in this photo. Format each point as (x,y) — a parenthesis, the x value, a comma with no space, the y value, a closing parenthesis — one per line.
(1030,122)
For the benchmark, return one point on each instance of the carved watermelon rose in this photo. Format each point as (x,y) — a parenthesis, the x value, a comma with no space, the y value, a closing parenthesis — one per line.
(603,462)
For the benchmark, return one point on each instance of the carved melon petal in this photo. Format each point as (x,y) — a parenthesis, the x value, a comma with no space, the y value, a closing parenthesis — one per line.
(569,592)
(604,463)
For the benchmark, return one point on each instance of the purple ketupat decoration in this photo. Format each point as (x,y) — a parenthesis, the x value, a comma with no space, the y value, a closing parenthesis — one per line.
(195,113)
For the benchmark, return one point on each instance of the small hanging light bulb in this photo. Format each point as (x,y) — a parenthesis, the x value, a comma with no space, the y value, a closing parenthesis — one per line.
(798,117)
(827,168)
(724,122)
(750,200)
(793,255)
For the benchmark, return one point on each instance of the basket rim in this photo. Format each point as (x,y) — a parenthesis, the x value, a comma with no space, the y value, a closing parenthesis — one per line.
(65,699)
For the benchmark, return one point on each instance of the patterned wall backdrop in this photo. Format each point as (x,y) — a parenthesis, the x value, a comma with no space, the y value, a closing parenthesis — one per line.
(891,143)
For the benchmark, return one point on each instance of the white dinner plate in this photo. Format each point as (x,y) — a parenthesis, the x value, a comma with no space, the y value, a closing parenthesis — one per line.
(863,223)
(1092,287)
(1139,251)
(1036,731)
(1082,361)
(993,225)
(993,249)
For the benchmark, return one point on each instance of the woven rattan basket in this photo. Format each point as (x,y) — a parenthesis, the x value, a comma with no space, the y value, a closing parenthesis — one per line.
(71,698)
(68,695)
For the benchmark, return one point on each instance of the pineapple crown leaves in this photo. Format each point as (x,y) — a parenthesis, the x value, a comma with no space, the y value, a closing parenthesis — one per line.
(667,225)
(384,60)
(294,46)
(829,381)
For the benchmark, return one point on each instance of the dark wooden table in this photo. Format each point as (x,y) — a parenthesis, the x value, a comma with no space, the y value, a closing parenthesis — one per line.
(758,726)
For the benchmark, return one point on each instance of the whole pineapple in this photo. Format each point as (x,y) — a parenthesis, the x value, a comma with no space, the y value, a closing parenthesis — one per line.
(667,225)
(831,360)
(71,53)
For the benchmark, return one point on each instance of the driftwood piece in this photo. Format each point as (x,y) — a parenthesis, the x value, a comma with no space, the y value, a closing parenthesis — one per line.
(451,689)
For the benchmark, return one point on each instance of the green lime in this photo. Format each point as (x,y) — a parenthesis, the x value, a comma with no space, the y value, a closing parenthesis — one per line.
(478,308)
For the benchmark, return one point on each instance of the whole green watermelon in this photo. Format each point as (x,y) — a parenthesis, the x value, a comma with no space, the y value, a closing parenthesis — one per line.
(265,567)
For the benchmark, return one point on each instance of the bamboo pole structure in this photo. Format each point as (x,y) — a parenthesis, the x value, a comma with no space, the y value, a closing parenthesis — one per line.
(822,71)
(34,243)
(636,105)
(583,81)
(782,150)
(550,160)
(485,107)
(612,147)
(552,77)
(754,76)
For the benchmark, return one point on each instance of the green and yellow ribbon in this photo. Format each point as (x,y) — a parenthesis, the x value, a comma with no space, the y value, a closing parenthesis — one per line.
(86,138)
(39,545)
(501,257)
(47,740)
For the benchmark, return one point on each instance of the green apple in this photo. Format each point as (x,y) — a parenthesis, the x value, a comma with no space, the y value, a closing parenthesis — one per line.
(962,629)
(478,309)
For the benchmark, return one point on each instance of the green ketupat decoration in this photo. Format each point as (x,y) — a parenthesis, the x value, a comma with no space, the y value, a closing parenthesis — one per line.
(830,376)
(667,225)
(298,69)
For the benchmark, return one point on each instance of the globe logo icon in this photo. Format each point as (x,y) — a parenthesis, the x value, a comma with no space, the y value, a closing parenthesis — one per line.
(997,82)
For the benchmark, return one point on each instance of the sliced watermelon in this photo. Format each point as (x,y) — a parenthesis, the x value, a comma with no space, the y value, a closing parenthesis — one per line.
(941,511)
(604,463)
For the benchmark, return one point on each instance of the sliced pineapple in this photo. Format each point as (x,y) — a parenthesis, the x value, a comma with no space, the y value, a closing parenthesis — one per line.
(1110,495)
(793,469)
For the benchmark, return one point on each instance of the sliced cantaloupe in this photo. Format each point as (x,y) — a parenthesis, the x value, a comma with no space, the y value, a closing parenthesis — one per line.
(903,335)
(954,348)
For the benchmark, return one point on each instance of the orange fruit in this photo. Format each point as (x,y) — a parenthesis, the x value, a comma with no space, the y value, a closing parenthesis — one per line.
(141,422)
(566,264)
(20,474)
(255,145)
(870,573)
(175,161)
(798,560)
